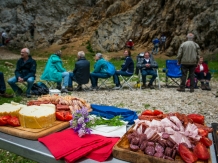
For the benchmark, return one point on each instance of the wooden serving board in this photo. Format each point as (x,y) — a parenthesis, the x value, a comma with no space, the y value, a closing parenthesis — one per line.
(122,151)
(34,134)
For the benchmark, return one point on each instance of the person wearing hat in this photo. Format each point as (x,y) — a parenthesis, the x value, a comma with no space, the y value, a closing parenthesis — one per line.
(130,44)
(54,71)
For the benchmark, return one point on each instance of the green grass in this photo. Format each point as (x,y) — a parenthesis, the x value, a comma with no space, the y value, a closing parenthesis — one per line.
(68,62)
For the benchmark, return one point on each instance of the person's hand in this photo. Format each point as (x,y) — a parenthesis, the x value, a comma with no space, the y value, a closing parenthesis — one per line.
(147,65)
(205,73)
(20,79)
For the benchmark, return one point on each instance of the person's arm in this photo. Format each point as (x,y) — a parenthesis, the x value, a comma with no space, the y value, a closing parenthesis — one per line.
(153,64)
(59,67)
(197,69)
(32,71)
(126,65)
(180,54)
(97,67)
(75,68)
(17,70)
(206,69)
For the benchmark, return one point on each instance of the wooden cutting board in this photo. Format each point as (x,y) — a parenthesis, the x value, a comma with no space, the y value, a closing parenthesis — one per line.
(121,151)
(34,134)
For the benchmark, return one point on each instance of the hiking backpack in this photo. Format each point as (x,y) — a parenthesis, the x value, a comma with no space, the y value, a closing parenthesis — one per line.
(39,88)
(110,69)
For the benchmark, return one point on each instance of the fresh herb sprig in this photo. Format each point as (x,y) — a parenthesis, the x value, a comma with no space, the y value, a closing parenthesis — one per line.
(115,121)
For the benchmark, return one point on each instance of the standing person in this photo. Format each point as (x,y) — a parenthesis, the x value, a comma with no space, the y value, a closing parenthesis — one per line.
(3,87)
(127,69)
(130,44)
(80,73)
(156,43)
(25,72)
(188,56)
(54,71)
(100,71)
(163,42)
(203,74)
(148,66)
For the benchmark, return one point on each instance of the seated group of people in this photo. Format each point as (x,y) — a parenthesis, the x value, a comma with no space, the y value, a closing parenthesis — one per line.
(54,71)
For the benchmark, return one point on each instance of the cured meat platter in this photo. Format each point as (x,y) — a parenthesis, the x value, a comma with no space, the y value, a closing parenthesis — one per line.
(122,151)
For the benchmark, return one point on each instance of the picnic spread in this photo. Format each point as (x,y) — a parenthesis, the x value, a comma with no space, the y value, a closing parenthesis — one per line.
(71,129)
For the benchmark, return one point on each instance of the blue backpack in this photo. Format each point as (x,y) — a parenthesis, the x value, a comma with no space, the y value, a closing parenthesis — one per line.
(110,69)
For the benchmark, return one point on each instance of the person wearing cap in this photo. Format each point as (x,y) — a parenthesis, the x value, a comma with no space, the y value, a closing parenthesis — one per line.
(54,71)
(25,72)
(100,71)
(3,87)
(130,44)
(188,57)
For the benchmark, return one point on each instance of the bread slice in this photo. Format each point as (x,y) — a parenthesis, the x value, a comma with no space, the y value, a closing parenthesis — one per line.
(37,117)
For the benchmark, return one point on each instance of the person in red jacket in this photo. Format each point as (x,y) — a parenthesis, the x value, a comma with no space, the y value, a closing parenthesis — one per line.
(130,44)
(203,74)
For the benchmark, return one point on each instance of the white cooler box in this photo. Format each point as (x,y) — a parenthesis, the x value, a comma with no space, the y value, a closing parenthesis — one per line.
(54,92)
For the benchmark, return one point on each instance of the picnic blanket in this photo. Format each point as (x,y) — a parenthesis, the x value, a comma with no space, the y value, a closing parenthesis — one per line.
(112,111)
(68,145)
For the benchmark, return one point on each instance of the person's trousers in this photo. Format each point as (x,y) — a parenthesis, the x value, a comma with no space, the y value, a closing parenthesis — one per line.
(116,76)
(65,76)
(2,83)
(151,72)
(71,79)
(200,76)
(94,78)
(12,82)
(185,69)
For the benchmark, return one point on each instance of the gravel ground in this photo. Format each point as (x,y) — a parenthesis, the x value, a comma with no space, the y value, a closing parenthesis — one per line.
(165,99)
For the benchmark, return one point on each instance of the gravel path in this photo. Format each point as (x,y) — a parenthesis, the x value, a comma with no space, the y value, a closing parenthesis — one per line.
(165,99)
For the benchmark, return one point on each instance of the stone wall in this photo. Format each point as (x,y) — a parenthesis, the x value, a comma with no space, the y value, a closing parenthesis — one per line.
(108,24)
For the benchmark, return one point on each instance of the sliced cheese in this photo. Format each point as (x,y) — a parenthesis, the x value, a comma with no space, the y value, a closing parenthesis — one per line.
(37,117)
(10,109)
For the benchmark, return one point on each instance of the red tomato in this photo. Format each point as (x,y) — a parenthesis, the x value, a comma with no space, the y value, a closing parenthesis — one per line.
(13,121)
(187,155)
(63,115)
(157,112)
(201,151)
(197,118)
(202,132)
(147,112)
(206,141)
(3,120)
(60,115)
(68,116)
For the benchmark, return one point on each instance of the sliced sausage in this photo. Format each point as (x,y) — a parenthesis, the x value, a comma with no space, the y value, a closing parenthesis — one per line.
(168,151)
(149,150)
(150,143)
(170,144)
(134,147)
(159,148)
(135,141)
(143,145)
(165,135)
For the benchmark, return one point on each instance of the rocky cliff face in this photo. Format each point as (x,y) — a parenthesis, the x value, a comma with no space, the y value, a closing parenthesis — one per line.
(108,24)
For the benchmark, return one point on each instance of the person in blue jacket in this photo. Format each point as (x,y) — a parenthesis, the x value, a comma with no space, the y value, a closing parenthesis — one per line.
(25,72)
(156,43)
(54,71)
(100,71)
(127,69)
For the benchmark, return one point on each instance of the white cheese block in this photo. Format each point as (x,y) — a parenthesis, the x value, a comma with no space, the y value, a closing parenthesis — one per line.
(10,109)
(37,116)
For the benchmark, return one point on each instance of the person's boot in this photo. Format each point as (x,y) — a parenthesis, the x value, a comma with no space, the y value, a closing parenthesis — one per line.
(143,86)
(70,88)
(207,87)
(150,86)
(180,89)
(203,87)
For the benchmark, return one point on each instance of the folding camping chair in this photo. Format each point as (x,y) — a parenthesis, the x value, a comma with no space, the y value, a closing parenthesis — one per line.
(139,61)
(173,72)
(103,83)
(126,81)
(51,84)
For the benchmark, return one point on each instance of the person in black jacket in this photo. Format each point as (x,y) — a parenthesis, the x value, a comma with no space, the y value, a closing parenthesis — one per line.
(80,73)
(127,69)
(3,87)
(25,72)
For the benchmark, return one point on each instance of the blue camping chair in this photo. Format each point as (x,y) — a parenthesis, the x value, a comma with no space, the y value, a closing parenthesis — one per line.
(173,72)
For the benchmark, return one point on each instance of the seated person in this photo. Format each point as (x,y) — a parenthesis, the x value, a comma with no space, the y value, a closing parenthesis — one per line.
(25,72)
(148,66)
(54,71)
(130,44)
(80,73)
(127,69)
(100,71)
(203,74)
(3,87)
